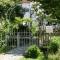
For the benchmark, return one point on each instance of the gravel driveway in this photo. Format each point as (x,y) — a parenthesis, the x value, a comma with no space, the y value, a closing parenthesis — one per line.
(14,54)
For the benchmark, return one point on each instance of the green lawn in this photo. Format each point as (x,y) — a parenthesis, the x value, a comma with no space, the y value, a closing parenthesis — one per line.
(23,58)
(54,56)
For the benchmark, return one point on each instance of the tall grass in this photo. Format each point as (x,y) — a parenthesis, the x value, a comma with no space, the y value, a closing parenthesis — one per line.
(54,56)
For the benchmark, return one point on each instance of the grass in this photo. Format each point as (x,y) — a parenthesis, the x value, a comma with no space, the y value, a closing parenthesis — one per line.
(23,58)
(54,56)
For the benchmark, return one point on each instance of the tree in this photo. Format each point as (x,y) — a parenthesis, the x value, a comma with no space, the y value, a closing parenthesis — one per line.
(10,8)
(51,7)
(4,6)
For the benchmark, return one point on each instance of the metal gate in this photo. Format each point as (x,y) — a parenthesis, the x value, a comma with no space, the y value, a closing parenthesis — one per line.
(22,37)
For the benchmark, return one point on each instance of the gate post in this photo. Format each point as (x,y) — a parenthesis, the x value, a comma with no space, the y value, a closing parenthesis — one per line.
(18,40)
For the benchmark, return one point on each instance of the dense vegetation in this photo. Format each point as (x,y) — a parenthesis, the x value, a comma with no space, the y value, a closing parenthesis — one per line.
(34,53)
(45,10)
(51,7)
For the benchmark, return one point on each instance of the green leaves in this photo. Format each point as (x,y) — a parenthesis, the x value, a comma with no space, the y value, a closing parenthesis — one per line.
(50,19)
(4,26)
(51,7)
(34,27)
(19,20)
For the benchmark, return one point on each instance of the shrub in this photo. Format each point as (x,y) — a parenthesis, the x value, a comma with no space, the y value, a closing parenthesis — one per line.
(33,52)
(56,39)
(4,48)
(53,47)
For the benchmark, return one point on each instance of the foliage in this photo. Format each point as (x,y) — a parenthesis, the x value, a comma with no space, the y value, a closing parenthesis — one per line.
(51,7)
(50,56)
(3,48)
(35,27)
(4,26)
(15,11)
(39,58)
(54,56)
(53,47)
(21,20)
(3,43)
(56,39)
(41,15)
(18,20)
(50,19)
(33,52)
(6,7)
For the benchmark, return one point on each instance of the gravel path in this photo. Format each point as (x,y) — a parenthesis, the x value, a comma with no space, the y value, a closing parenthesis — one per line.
(14,54)
(9,57)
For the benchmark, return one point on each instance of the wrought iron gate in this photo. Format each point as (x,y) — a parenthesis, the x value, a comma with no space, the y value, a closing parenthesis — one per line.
(21,38)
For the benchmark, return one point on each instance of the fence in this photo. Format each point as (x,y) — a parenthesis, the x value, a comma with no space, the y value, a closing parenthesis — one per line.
(23,39)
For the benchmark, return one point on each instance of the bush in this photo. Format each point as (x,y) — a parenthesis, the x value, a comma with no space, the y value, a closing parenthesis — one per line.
(4,48)
(56,39)
(33,52)
(53,47)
